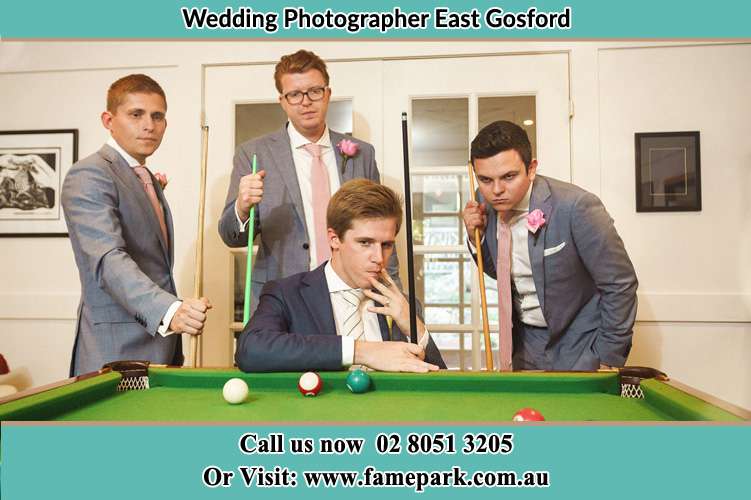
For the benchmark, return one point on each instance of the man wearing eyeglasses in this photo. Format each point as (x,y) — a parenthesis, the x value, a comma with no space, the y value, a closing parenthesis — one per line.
(299,167)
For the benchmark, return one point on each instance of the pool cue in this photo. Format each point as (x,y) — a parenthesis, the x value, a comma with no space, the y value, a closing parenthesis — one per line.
(249,259)
(481,278)
(410,246)
(198,278)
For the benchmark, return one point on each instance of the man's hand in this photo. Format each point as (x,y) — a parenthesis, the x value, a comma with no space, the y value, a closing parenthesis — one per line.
(191,316)
(392,357)
(249,194)
(392,303)
(474,217)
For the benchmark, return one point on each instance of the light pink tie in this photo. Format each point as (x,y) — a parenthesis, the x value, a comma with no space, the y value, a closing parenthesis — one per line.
(319,182)
(503,276)
(148,186)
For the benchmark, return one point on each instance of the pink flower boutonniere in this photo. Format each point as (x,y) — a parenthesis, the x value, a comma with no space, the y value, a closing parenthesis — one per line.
(348,149)
(161,179)
(535,220)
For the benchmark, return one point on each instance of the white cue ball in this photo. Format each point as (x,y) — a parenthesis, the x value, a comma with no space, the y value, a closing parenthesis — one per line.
(235,391)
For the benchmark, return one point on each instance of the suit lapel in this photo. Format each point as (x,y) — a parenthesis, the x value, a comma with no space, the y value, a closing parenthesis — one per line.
(540,199)
(345,174)
(384,325)
(167,220)
(491,236)
(315,294)
(128,177)
(284,163)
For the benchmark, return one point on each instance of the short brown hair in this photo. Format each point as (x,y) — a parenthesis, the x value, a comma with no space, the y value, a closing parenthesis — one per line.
(132,84)
(362,199)
(501,136)
(299,62)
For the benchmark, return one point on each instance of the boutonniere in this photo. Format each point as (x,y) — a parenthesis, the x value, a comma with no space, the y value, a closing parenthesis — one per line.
(348,149)
(535,220)
(161,179)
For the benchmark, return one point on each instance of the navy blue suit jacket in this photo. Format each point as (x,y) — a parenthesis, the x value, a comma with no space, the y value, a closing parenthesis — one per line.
(293,329)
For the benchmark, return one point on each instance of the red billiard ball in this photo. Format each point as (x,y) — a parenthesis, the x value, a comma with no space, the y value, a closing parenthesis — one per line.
(528,415)
(309,384)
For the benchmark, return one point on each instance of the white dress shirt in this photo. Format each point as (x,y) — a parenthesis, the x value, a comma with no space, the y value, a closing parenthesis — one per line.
(526,302)
(163,329)
(303,164)
(370,319)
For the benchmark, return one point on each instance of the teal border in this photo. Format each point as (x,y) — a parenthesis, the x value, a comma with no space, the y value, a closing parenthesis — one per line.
(142,19)
(613,462)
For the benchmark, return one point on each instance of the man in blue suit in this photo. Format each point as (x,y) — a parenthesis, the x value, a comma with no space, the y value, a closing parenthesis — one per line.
(572,286)
(335,316)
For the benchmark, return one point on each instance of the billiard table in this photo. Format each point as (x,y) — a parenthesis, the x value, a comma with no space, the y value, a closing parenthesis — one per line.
(139,392)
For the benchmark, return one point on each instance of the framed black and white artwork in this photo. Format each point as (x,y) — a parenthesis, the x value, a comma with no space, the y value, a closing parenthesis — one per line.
(33,164)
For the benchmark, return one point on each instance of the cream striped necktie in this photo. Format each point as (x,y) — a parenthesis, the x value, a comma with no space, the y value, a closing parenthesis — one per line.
(352,300)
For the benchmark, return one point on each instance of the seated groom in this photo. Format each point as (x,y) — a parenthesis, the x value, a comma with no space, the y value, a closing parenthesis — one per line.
(335,316)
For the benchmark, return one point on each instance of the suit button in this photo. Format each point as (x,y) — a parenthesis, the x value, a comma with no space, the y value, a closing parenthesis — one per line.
(305,246)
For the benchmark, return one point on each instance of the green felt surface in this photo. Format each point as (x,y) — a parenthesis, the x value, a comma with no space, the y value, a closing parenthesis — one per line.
(49,404)
(195,395)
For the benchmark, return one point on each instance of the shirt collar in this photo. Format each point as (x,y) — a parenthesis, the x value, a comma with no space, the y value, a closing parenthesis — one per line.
(111,142)
(334,282)
(297,140)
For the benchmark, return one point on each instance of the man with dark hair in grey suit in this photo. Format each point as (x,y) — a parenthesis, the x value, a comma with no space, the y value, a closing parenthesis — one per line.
(299,167)
(572,293)
(120,228)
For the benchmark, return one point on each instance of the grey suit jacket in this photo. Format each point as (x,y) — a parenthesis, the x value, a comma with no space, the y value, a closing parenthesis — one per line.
(124,264)
(283,248)
(586,283)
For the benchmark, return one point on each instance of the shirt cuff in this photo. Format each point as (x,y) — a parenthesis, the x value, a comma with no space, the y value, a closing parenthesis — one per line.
(163,329)
(471,242)
(243,225)
(348,351)
(423,342)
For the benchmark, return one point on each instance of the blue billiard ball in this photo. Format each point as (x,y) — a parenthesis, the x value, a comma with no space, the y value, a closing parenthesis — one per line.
(358,381)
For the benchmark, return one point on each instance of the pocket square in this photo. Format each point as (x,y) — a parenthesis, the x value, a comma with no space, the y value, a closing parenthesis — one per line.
(550,251)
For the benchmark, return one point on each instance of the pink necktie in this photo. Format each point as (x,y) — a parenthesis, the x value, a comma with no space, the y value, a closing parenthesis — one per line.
(148,186)
(503,275)
(319,182)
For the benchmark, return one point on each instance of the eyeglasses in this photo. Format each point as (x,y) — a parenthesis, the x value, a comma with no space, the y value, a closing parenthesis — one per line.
(297,96)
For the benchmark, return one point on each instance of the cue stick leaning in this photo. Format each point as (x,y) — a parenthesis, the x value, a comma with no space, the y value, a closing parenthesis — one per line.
(249,259)
(481,278)
(408,223)
(198,278)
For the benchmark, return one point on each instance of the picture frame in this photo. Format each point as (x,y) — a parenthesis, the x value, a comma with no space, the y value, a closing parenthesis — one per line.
(33,165)
(668,171)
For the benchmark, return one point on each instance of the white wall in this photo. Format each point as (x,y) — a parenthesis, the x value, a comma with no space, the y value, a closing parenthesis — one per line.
(694,268)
